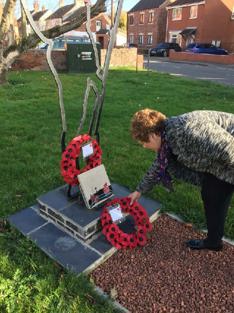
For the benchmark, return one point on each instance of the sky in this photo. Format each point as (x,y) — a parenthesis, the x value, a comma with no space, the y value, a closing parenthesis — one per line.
(52,5)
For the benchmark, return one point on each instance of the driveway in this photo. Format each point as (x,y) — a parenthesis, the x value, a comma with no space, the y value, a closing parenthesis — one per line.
(218,73)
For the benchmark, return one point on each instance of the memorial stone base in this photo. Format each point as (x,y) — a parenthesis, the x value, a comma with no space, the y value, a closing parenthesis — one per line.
(68,232)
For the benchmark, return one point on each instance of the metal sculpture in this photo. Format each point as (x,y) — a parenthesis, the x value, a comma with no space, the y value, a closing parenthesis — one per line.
(101,74)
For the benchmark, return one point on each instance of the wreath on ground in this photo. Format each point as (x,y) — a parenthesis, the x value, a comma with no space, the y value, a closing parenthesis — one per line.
(72,152)
(115,235)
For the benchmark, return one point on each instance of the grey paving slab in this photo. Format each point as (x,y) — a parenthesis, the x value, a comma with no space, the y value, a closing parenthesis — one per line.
(80,214)
(101,244)
(120,191)
(27,220)
(74,254)
(70,253)
(150,205)
(56,198)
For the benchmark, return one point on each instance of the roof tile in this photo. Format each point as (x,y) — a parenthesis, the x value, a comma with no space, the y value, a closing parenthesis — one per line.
(183,2)
(61,12)
(38,15)
(146,4)
(76,13)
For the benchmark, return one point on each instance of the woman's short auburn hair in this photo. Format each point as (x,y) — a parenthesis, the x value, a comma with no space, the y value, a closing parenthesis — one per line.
(146,122)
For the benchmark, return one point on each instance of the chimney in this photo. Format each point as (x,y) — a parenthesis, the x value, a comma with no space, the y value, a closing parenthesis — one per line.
(36,5)
(61,3)
(43,8)
(79,3)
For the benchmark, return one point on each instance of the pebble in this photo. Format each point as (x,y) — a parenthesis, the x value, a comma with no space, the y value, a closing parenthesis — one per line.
(168,277)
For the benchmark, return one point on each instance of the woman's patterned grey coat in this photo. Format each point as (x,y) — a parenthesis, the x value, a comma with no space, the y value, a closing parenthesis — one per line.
(201,142)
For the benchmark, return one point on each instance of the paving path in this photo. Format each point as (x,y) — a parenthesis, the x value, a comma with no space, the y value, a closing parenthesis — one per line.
(218,73)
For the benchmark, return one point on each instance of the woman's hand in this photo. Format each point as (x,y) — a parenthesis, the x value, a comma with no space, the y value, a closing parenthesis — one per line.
(134,196)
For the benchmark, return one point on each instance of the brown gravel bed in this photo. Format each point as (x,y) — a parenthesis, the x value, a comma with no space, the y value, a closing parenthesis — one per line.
(166,276)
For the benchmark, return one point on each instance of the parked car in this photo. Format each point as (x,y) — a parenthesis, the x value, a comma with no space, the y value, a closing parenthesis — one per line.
(163,48)
(189,47)
(205,48)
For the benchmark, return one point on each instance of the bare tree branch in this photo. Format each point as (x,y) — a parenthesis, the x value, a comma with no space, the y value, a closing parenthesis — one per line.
(9,53)
(32,40)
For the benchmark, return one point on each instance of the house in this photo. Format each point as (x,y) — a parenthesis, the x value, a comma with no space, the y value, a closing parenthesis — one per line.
(39,17)
(207,21)
(121,38)
(59,16)
(100,27)
(147,23)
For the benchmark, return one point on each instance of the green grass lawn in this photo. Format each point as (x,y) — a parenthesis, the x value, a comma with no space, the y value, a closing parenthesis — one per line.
(30,162)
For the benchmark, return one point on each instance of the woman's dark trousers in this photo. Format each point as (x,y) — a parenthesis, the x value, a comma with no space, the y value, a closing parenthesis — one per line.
(216,196)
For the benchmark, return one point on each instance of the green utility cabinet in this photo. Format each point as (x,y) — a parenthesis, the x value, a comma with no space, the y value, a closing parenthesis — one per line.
(81,58)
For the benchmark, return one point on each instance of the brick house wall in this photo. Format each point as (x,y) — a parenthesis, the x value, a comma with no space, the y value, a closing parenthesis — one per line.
(156,28)
(200,57)
(174,27)
(218,24)
(104,24)
(213,24)
(124,57)
(135,29)
(103,36)
(35,59)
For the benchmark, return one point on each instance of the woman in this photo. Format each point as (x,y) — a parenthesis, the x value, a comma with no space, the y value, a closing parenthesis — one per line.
(197,147)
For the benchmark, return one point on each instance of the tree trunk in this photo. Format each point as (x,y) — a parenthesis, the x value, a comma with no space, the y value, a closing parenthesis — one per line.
(9,53)
(3,75)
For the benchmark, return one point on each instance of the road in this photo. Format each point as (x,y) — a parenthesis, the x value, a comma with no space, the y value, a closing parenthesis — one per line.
(223,74)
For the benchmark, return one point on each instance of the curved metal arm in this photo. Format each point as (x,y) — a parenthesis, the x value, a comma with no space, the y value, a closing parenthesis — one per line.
(112,41)
(101,74)
(50,63)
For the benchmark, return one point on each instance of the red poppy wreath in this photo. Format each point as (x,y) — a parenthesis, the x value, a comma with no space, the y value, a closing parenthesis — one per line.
(69,168)
(115,235)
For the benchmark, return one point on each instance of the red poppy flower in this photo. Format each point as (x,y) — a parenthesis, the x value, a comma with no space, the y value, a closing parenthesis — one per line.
(115,235)
(69,171)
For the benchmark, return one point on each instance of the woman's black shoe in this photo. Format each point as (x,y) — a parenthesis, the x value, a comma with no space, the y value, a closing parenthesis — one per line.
(199,244)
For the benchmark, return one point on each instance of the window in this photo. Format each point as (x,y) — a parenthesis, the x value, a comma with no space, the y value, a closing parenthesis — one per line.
(193,11)
(175,37)
(131,19)
(131,38)
(98,25)
(216,43)
(232,16)
(151,16)
(142,17)
(140,39)
(149,39)
(177,14)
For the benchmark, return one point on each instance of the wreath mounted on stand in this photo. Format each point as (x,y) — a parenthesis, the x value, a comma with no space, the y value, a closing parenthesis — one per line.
(115,235)
(72,152)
